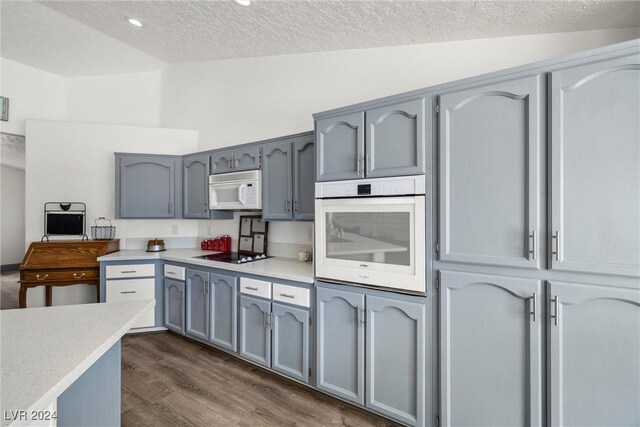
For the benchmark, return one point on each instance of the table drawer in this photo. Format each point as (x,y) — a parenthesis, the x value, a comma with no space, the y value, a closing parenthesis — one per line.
(174,272)
(133,270)
(292,295)
(55,275)
(132,290)
(259,288)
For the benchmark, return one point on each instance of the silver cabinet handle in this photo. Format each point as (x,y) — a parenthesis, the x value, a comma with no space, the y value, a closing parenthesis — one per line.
(206,206)
(295,205)
(128,292)
(556,250)
(251,288)
(287,205)
(358,160)
(287,295)
(236,162)
(171,272)
(128,271)
(368,163)
(534,303)
(556,310)
(533,240)
(361,316)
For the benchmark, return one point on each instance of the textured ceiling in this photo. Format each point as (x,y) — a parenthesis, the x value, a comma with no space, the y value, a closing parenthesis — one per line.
(182,31)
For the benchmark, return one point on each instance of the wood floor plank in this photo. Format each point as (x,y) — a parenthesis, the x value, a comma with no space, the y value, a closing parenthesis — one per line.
(169,380)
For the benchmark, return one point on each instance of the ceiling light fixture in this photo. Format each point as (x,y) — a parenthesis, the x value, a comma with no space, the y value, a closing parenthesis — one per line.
(243,2)
(135,22)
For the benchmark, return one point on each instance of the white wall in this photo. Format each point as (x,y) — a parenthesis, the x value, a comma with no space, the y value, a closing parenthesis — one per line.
(12,187)
(237,101)
(123,99)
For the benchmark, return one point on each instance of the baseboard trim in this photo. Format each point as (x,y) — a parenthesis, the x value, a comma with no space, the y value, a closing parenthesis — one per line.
(9,267)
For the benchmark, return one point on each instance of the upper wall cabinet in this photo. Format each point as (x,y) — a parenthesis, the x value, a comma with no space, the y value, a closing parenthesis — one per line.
(146,186)
(235,160)
(195,179)
(288,179)
(393,144)
(490,187)
(595,202)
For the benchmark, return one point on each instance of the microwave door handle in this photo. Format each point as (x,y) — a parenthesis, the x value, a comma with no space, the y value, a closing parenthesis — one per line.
(213,198)
(241,190)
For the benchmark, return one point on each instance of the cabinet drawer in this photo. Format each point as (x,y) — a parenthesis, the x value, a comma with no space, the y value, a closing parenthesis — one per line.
(134,270)
(259,288)
(132,290)
(291,295)
(174,272)
(41,276)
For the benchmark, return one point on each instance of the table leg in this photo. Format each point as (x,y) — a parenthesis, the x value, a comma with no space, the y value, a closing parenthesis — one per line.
(98,292)
(48,293)
(22,296)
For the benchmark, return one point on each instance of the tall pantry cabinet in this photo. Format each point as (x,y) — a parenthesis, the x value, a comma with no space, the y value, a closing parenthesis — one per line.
(539,245)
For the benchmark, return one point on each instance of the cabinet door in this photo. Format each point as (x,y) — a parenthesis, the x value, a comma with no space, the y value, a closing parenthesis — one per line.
(594,340)
(245,159)
(277,181)
(340,147)
(340,343)
(221,162)
(223,299)
(195,181)
(197,304)
(595,202)
(395,356)
(290,351)
(395,140)
(146,187)
(303,180)
(174,305)
(255,330)
(490,350)
(490,188)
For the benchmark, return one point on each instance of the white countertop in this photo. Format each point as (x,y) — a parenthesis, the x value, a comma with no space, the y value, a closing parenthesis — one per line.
(45,349)
(279,268)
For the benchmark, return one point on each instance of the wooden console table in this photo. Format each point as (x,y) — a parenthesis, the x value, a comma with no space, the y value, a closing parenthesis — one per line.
(63,263)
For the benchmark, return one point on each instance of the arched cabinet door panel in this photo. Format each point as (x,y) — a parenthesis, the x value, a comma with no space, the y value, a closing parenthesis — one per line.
(277,181)
(340,147)
(290,343)
(490,350)
(255,330)
(197,304)
(195,181)
(594,349)
(490,174)
(304,179)
(595,202)
(174,318)
(223,297)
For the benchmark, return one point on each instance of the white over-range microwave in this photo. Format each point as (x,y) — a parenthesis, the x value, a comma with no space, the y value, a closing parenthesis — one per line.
(236,190)
(372,232)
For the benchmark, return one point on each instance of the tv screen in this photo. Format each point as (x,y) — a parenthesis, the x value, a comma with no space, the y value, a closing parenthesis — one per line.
(65,224)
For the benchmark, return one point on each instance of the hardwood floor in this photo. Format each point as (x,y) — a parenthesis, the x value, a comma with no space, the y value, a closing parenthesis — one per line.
(168,380)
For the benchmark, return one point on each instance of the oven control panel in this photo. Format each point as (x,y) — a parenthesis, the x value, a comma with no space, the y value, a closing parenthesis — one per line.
(396,186)
(364,189)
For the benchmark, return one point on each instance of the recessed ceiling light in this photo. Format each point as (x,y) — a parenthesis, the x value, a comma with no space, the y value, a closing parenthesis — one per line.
(134,22)
(243,2)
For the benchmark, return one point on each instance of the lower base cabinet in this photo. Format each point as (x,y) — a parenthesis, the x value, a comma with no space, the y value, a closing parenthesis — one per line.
(174,307)
(197,304)
(594,355)
(275,336)
(374,340)
(490,350)
(223,319)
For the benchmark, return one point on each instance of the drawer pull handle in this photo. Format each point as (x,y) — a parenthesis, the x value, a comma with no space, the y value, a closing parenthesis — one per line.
(129,271)
(287,295)
(251,288)
(171,272)
(128,292)
(75,276)
(45,277)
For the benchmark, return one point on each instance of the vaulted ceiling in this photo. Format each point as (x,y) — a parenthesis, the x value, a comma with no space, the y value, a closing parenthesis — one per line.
(93,37)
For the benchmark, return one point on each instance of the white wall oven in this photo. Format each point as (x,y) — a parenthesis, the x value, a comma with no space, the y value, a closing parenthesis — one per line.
(372,232)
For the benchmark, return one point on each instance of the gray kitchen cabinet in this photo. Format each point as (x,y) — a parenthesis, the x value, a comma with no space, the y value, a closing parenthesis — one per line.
(395,358)
(396,139)
(490,173)
(255,330)
(197,304)
(174,318)
(223,320)
(304,179)
(235,160)
(595,202)
(490,350)
(340,343)
(290,341)
(594,355)
(340,147)
(277,181)
(195,193)
(288,180)
(146,186)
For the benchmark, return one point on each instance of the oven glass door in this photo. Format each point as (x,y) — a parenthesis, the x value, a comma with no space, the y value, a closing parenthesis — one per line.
(376,241)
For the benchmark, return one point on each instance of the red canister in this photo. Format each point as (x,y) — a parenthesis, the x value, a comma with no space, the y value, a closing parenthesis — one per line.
(227,243)
(210,244)
(204,245)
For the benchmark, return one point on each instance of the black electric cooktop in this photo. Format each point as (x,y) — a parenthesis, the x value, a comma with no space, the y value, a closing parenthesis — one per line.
(232,257)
